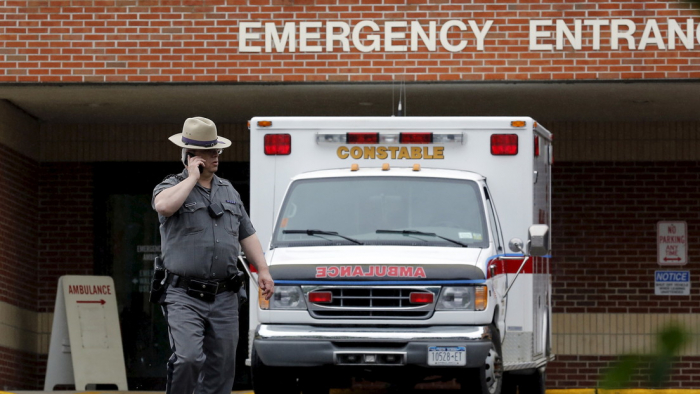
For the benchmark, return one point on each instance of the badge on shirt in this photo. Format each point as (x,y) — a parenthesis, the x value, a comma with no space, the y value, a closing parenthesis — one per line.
(231,202)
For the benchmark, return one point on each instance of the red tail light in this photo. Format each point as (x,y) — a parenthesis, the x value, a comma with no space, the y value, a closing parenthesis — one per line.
(278,144)
(421,298)
(416,138)
(363,138)
(320,297)
(504,144)
(537,146)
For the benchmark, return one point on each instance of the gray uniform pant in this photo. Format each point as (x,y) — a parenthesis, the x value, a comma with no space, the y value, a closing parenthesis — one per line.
(203,338)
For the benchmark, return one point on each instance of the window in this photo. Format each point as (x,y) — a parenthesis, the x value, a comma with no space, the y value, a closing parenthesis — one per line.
(357,207)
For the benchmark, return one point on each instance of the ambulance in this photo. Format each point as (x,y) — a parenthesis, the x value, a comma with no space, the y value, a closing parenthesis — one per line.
(405,250)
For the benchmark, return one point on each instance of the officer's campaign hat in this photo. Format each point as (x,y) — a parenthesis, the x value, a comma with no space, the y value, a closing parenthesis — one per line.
(199,133)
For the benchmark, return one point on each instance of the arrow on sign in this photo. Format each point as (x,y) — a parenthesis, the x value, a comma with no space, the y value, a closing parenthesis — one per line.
(672,258)
(101,302)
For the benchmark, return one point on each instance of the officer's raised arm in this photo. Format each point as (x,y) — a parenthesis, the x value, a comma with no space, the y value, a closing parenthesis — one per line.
(170,200)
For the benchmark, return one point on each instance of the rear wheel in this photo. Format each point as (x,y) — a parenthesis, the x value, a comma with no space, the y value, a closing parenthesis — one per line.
(272,380)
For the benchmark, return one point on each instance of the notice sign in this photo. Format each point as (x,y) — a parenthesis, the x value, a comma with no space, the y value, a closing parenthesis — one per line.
(672,243)
(672,283)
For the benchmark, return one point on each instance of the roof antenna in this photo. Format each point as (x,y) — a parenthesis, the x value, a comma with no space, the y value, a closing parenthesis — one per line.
(405,97)
(393,79)
(400,97)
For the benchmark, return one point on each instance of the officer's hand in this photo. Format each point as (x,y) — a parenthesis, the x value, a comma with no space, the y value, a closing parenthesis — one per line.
(193,164)
(267,285)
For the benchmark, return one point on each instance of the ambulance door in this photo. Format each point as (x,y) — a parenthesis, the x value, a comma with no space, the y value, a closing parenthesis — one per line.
(541,269)
(495,267)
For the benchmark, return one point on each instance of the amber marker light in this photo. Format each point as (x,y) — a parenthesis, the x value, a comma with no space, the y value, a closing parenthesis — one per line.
(264,123)
(518,123)
(481,298)
(262,302)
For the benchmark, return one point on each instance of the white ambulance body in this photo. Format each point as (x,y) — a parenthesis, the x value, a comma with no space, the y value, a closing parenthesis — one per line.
(388,238)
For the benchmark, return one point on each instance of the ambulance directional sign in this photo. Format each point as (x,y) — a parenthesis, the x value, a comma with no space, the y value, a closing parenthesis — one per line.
(672,243)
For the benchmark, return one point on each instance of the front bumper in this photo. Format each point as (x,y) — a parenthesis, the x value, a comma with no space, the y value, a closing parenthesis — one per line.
(315,346)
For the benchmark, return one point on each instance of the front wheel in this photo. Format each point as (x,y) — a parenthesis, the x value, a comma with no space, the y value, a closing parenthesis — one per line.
(490,375)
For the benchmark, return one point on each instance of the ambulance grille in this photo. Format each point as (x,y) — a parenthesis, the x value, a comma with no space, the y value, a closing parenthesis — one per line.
(379,302)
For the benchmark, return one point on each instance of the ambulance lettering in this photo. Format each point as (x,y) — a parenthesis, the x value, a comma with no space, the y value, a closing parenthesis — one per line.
(349,271)
(391,152)
(90,289)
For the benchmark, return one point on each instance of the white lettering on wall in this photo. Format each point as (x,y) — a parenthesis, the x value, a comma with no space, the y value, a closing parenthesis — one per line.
(456,35)
(333,37)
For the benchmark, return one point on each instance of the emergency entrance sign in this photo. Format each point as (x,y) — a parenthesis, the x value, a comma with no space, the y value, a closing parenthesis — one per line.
(672,243)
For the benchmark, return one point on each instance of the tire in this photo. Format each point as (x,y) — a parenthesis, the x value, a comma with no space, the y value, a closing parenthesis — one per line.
(490,375)
(271,380)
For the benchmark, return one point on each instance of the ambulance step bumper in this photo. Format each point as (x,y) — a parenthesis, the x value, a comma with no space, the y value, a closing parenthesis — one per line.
(314,346)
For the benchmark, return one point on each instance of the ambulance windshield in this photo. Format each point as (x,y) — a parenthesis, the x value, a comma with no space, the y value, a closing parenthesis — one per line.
(354,208)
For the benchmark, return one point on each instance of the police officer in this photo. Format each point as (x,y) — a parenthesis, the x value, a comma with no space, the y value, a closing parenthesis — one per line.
(203,225)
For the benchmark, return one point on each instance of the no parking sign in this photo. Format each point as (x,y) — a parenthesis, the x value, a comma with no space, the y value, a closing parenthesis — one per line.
(672,243)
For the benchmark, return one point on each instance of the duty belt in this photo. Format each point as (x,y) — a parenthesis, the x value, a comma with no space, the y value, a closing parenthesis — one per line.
(212,287)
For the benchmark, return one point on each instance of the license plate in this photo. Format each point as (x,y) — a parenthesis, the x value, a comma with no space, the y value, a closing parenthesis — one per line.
(447,355)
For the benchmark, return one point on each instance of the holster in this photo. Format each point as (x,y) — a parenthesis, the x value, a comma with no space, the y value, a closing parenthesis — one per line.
(158,284)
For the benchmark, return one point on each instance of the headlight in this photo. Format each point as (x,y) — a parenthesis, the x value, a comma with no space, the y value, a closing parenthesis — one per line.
(462,298)
(284,297)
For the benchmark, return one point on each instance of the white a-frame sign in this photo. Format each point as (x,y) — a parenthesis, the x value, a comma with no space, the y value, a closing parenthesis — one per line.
(86,343)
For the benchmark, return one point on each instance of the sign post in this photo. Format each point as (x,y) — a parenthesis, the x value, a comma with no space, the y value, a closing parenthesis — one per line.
(86,343)
(672,243)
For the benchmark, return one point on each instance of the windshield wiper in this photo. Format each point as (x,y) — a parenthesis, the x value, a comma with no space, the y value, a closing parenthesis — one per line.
(321,232)
(413,232)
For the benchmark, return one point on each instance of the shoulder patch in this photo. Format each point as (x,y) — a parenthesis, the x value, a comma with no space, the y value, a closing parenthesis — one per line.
(179,177)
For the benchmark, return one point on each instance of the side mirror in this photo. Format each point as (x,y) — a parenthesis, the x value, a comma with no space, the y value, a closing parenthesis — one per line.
(538,236)
(516,245)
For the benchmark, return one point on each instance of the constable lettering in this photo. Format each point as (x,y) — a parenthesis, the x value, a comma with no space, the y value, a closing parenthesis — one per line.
(391,152)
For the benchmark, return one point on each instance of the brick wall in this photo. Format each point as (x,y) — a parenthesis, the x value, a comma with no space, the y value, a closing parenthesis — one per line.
(604,257)
(66,235)
(21,370)
(198,40)
(585,371)
(18,228)
(604,234)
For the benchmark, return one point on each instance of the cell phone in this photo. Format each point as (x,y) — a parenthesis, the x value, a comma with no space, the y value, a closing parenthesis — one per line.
(187,158)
